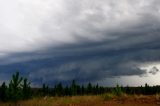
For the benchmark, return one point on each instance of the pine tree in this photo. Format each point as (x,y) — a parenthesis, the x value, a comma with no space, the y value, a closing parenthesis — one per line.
(45,90)
(97,89)
(146,89)
(74,88)
(82,90)
(78,90)
(26,89)
(67,91)
(3,92)
(59,89)
(14,87)
(89,88)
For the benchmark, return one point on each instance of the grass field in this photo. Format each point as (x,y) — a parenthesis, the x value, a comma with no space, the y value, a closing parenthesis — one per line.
(102,100)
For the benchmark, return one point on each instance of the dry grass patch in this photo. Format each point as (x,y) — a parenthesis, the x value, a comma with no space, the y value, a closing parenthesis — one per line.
(101,100)
(58,101)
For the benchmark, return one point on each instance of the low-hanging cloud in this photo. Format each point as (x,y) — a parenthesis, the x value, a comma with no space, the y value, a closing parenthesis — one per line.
(86,40)
(154,70)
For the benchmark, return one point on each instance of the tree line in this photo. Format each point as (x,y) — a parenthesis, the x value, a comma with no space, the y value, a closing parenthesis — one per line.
(72,90)
(19,89)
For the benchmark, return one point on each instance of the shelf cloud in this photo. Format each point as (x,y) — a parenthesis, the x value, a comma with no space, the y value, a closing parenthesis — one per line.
(87,40)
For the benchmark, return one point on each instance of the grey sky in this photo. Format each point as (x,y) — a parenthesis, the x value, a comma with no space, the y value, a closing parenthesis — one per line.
(86,40)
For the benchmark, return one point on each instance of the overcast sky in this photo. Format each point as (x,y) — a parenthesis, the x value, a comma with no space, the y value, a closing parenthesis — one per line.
(98,41)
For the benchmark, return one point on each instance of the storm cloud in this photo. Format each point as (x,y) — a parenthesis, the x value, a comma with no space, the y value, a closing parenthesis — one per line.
(88,40)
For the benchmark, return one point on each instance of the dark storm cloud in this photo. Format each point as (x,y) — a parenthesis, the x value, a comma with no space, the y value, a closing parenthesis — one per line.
(154,70)
(104,39)
(89,61)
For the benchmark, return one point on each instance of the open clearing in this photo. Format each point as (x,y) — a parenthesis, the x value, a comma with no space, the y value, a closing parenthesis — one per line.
(135,100)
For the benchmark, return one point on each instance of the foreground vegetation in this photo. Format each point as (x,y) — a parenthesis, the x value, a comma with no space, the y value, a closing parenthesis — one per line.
(19,90)
(99,100)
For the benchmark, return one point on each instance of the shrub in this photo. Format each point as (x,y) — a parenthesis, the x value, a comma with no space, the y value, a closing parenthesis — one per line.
(118,91)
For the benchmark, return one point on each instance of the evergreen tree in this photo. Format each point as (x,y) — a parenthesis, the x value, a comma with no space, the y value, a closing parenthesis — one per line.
(147,89)
(89,88)
(3,92)
(60,89)
(45,90)
(14,87)
(26,89)
(74,88)
(97,89)
(78,88)
(67,91)
(82,90)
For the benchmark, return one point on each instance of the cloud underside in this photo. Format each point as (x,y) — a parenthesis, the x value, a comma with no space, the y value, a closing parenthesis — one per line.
(90,41)
(85,62)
